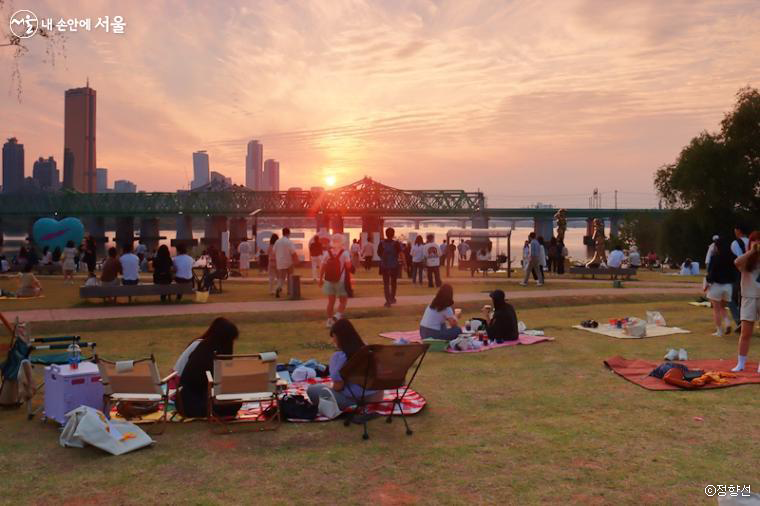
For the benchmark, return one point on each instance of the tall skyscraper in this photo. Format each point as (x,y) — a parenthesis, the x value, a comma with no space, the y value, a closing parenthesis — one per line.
(124,186)
(101,180)
(13,166)
(45,174)
(79,140)
(254,159)
(271,175)
(200,169)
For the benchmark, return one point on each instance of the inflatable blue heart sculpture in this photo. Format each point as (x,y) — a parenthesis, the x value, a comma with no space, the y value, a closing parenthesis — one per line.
(55,234)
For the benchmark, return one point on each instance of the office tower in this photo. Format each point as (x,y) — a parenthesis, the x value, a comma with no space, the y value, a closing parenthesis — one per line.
(124,186)
(79,140)
(271,176)
(101,180)
(221,178)
(45,174)
(13,166)
(200,169)
(253,165)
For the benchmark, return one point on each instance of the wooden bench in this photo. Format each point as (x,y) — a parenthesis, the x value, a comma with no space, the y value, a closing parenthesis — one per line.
(478,265)
(612,272)
(112,291)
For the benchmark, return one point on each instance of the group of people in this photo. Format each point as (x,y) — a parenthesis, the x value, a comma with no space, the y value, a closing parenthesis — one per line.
(539,258)
(732,285)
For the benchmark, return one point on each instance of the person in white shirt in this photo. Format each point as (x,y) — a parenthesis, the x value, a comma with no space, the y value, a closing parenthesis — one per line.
(634,259)
(438,314)
(332,277)
(183,267)
(285,258)
(356,250)
(615,260)
(463,248)
(244,259)
(368,253)
(748,265)
(738,248)
(418,259)
(130,266)
(432,262)
(689,268)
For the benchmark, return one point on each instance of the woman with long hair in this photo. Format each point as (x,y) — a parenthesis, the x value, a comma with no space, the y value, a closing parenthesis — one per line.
(417,253)
(347,341)
(438,314)
(193,363)
(720,275)
(162,268)
(749,266)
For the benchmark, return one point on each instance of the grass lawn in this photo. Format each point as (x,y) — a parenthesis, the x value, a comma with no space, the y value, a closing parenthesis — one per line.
(532,424)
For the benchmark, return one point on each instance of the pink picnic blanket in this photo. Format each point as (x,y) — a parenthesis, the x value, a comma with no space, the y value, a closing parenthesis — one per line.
(411,404)
(413,336)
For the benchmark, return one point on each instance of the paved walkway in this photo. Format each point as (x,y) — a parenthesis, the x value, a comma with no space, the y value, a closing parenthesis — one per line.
(129,311)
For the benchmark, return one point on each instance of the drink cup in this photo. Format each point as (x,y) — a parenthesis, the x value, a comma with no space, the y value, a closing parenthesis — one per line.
(458,312)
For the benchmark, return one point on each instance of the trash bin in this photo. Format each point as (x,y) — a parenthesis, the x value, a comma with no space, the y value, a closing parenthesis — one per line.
(294,287)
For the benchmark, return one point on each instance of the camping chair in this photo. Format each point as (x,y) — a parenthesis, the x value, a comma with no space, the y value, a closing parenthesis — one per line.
(382,367)
(240,379)
(134,381)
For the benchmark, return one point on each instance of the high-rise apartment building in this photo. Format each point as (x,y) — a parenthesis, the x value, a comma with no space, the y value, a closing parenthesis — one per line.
(101,180)
(45,174)
(200,169)
(271,175)
(13,166)
(79,140)
(124,186)
(254,160)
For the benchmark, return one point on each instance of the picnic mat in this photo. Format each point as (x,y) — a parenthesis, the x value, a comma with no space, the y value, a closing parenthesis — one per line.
(637,371)
(6,297)
(652,331)
(413,336)
(412,404)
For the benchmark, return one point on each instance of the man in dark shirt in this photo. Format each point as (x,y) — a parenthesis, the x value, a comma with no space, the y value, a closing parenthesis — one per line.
(502,321)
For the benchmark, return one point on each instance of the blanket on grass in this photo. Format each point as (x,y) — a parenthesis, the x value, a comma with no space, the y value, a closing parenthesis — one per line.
(637,371)
(413,336)
(412,404)
(652,331)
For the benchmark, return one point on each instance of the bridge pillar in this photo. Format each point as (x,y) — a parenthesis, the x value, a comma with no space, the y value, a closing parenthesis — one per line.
(238,232)
(372,225)
(97,229)
(215,225)
(336,224)
(416,224)
(149,233)
(588,239)
(184,231)
(614,227)
(323,223)
(479,221)
(543,227)
(125,231)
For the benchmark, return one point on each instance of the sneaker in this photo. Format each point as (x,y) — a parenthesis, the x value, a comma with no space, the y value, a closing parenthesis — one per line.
(671,354)
(523,283)
(737,368)
(539,284)
(682,355)
(330,322)
(718,333)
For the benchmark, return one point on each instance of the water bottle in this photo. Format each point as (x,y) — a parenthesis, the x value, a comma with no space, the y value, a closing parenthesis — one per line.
(75,356)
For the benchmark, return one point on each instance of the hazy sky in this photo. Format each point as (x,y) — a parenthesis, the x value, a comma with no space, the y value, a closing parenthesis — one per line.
(525,100)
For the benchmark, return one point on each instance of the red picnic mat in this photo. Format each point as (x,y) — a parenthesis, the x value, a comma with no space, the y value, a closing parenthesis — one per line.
(637,371)
(413,336)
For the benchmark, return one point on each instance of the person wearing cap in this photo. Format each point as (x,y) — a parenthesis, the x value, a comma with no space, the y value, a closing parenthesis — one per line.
(502,320)
(711,249)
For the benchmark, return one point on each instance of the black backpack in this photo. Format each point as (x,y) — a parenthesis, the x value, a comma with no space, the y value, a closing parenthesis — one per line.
(333,267)
(296,407)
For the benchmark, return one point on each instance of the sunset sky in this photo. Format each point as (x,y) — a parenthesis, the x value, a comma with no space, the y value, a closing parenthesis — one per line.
(525,100)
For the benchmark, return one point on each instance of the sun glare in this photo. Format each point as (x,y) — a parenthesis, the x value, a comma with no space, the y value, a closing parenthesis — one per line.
(330,180)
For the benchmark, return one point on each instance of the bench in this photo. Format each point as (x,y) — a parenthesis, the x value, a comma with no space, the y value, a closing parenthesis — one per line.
(113,291)
(612,272)
(479,265)
(49,269)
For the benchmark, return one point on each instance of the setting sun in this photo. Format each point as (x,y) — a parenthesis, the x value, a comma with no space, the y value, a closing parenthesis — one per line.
(330,180)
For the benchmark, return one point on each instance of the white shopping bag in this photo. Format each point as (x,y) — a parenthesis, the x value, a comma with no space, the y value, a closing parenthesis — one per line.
(655,318)
(88,425)
(635,328)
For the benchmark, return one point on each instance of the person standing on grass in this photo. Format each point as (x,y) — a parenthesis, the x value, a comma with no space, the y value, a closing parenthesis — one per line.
(286,258)
(444,250)
(418,259)
(389,250)
(534,261)
(463,248)
(432,262)
(451,254)
(272,263)
(749,266)
(332,278)
(739,247)
(720,275)
(315,255)
(368,252)
(68,262)
(356,250)
(90,256)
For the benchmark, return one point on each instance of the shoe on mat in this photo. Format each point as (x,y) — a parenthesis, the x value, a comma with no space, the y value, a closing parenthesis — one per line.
(682,355)
(671,354)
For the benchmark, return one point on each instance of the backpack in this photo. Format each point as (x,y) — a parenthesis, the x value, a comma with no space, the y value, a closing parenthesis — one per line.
(333,267)
(296,407)
(389,259)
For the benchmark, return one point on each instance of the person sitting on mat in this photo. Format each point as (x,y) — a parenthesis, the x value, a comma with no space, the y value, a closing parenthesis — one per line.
(192,400)
(501,322)
(438,314)
(28,284)
(347,340)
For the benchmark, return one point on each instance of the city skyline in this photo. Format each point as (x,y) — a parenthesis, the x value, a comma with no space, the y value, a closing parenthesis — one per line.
(79,144)
(554,99)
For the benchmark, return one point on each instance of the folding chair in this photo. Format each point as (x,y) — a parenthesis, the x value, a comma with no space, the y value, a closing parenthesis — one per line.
(134,381)
(241,379)
(382,367)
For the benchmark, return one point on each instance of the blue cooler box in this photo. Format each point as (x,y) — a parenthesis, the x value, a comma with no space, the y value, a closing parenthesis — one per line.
(67,389)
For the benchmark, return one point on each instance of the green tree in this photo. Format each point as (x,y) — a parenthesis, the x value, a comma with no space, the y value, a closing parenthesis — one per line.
(715,181)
